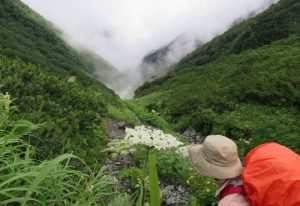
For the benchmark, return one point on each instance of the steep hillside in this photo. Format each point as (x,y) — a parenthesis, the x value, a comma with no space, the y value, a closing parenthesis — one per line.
(250,87)
(26,35)
(102,69)
(253,95)
(53,84)
(278,22)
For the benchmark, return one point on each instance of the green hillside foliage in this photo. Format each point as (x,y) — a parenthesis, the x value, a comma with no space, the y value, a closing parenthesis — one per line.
(53,85)
(278,22)
(253,95)
(243,84)
(73,114)
(26,35)
(26,181)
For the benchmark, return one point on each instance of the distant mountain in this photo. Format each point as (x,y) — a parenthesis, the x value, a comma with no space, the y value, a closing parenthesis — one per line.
(243,84)
(157,63)
(160,62)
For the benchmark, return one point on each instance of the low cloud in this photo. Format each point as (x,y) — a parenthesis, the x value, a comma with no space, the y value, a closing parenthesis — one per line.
(123,31)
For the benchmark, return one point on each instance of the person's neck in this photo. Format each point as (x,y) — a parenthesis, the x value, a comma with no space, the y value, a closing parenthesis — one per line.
(221,182)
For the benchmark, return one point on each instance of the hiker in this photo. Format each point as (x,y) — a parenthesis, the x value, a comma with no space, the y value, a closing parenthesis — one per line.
(270,176)
(217,157)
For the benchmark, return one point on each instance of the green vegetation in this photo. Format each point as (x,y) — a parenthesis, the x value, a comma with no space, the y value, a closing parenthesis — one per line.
(52,85)
(147,142)
(243,84)
(26,35)
(72,114)
(153,178)
(278,22)
(251,95)
(25,181)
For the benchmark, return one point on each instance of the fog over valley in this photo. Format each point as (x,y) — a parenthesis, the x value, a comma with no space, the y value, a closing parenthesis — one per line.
(141,39)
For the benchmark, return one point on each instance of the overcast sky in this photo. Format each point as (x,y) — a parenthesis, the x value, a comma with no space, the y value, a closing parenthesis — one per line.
(123,31)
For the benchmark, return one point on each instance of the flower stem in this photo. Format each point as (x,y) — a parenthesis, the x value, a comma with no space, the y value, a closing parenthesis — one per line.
(145,171)
(145,162)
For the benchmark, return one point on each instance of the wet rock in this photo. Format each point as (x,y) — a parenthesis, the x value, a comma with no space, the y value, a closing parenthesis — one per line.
(122,125)
(180,189)
(116,129)
(193,137)
(171,201)
(173,194)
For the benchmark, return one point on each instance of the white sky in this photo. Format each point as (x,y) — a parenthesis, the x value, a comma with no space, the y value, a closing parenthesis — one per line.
(123,31)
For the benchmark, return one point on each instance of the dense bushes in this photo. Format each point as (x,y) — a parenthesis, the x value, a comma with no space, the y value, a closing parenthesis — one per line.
(73,114)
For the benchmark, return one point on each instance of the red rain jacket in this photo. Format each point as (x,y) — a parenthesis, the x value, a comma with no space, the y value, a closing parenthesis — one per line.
(272,176)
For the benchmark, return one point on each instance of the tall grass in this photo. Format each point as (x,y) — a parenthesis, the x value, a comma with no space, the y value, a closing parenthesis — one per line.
(24,181)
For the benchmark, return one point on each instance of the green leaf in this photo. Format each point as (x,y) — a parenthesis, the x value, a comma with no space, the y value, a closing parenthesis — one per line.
(154,189)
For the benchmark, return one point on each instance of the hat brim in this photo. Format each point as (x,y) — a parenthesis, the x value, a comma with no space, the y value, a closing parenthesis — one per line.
(206,168)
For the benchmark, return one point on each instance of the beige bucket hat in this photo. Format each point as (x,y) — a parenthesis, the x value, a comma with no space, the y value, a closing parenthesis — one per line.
(217,157)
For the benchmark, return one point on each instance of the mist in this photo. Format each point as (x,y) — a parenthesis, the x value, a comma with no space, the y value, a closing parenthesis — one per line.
(124,31)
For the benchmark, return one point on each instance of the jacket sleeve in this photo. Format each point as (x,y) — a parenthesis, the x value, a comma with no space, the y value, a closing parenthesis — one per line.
(234,200)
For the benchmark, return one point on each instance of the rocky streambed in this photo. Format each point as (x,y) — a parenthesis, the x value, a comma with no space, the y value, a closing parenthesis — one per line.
(172,193)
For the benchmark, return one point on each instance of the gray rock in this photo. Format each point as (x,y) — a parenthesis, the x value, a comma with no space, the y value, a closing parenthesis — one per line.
(171,187)
(193,137)
(171,201)
(180,189)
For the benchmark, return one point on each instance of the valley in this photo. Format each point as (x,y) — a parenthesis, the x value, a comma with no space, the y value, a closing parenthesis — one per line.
(74,130)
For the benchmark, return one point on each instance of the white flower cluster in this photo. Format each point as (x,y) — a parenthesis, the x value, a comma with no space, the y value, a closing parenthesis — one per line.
(123,147)
(183,150)
(151,138)
(155,112)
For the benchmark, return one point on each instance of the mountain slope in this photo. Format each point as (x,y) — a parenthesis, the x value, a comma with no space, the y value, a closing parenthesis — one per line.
(53,85)
(278,22)
(248,91)
(71,115)
(26,35)
(101,69)
(157,63)
(253,95)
